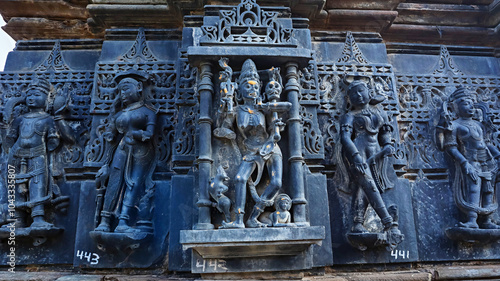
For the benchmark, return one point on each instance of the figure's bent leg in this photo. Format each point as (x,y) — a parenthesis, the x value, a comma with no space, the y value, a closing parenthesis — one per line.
(275,171)
(375,199)
(488,200)
(360,203)
(240,184)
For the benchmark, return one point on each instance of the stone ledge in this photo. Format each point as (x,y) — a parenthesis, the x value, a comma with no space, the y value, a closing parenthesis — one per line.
(468,272)
(427,273)
(41,28)
(376,276)
(238,243)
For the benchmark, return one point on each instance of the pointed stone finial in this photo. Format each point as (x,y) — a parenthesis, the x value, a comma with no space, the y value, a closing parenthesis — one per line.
(55,61)
(351,52)
(140,50)
(446,65)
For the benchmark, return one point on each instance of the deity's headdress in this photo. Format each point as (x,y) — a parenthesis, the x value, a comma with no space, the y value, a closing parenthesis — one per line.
(357,83)
(248,72)
(460,93)
(136,75)
(41,84)
(364,81)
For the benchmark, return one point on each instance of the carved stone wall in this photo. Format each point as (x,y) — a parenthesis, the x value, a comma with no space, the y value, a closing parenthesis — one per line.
(250,140)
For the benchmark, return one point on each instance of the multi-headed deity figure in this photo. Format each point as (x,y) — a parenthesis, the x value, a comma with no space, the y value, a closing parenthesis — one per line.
(475,159)
(366,138)
(30,140)
(257,133)
(125,185)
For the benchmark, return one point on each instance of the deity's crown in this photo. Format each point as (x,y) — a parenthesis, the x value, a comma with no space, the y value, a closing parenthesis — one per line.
(460,93)
(248,72)
(356,83)
(134,74)
(41,84)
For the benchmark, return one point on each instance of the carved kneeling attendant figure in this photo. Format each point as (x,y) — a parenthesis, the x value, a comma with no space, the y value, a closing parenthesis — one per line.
(282,217)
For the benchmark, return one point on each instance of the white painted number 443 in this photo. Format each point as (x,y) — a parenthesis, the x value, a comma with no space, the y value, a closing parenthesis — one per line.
(92,258)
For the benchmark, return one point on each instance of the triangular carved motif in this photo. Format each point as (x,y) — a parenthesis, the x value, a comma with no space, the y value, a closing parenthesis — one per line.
(446,65)
(351,52)
(140,50)
(55,61)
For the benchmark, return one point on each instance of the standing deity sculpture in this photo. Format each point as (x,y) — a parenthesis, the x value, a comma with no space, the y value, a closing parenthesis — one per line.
(125,184)
(30,142)
(258,128)
(366,144)
(476,161)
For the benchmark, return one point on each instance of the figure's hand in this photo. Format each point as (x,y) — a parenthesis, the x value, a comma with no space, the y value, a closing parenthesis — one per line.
(140,135)
(108,136)
(103,172)
(224,133)
(279,122)
(470,170)
(359,164)
(388,150)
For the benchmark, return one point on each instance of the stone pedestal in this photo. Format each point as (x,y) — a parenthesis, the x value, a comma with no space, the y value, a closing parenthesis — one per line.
(251,250)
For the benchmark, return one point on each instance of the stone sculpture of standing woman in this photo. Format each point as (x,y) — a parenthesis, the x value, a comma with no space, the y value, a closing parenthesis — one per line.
(476,161)
(125,184)
(366,138)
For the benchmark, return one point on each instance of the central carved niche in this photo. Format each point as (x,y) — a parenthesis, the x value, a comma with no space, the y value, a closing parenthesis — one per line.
(249,127)
(253,200)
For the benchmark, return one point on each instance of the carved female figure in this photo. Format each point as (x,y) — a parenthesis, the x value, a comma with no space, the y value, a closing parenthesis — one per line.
(366,142)
(257,141)
(29,140)
(476,162)
(125,181)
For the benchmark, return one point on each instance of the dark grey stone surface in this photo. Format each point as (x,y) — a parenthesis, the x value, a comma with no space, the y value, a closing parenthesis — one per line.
(190,91)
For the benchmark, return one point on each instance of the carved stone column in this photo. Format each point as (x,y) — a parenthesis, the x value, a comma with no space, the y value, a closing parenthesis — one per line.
(296,159)
(206,89)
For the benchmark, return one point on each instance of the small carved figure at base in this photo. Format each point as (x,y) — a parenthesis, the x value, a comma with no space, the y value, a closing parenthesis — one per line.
(217,189)
(282,217)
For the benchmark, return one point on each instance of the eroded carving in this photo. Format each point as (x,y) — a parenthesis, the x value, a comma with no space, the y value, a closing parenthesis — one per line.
(217,189)
(32,138)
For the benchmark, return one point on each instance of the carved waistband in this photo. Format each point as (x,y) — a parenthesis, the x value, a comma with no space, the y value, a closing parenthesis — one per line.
(30,152)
